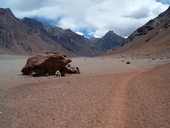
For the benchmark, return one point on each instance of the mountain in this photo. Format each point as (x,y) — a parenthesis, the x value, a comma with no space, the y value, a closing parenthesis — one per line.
(69,40)
(16,37)
(150,40)
(109,41)
(29,36)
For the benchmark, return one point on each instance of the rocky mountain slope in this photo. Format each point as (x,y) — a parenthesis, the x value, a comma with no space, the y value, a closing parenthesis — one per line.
(16,37)
(150,40)
(71,41)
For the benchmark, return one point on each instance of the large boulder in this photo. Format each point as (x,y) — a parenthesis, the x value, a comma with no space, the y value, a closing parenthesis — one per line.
(45,63)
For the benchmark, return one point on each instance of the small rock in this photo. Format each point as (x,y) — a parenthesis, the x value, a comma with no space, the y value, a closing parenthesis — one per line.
(153,58)
(128,62)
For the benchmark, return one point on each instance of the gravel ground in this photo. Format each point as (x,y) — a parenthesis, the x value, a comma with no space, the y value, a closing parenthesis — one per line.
(107,94)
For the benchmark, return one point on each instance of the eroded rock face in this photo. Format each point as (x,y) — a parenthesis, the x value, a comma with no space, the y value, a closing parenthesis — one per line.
(45,63)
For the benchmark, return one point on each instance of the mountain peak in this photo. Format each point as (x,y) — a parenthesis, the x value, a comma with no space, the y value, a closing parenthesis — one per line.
(109,40)
(110,32)
(30,20)
(6,11)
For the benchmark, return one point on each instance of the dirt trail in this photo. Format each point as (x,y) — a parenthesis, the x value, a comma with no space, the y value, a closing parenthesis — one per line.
(148,99)
(142,100)
(117,113)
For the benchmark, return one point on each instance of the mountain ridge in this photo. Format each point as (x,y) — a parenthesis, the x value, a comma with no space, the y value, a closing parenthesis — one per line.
(29,36)
(17,38)
(65,37)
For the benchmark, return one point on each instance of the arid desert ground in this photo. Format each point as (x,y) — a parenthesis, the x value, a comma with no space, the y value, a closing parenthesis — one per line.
(107,94)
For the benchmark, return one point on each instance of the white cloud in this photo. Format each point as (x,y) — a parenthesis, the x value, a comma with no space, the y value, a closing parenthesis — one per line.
(80,33)
(98,16)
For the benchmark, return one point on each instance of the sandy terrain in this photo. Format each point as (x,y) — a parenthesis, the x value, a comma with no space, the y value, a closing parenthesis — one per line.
(107,94)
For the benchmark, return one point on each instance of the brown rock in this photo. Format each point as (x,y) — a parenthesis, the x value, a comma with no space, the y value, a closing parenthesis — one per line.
(69,70)
(45,63)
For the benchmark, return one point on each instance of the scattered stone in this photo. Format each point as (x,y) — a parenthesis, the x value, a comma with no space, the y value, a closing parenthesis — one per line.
(153,58)
(69,70)
(128,62)
(58,74)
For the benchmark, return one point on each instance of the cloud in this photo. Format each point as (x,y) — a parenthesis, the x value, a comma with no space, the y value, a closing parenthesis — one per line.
(139,13)
(86,16)
(80,33)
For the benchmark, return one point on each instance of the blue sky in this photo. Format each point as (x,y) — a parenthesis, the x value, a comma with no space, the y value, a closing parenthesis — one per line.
(90,17)
(164,1)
